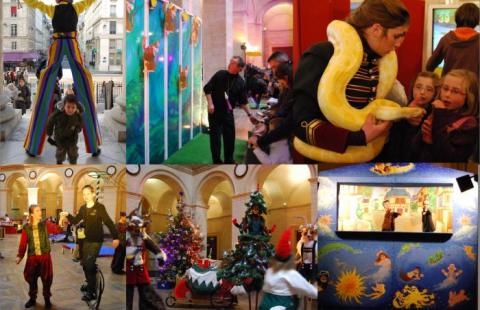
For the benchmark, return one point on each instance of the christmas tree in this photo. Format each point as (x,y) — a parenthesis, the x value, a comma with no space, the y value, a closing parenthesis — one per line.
(181,243)
(247,263)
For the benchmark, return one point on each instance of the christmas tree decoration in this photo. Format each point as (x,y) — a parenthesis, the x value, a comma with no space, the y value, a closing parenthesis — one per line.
(247,263)
(181,243)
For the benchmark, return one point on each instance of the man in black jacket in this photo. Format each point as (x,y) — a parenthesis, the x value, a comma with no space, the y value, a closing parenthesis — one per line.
(94,215)
(224,90)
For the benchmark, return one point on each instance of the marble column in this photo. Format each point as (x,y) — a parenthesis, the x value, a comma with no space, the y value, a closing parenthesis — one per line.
(199,214)
(68,198)
(314,197)
(238,212)
(133,199)
(3,201)
(109,199)
(217,35)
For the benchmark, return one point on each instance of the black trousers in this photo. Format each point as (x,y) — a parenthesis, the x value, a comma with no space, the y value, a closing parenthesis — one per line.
(147,299)
(118,260)
(89,258)
(222,125)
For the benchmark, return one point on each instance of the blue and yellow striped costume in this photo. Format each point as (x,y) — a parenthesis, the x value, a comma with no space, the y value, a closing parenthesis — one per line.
(64,20)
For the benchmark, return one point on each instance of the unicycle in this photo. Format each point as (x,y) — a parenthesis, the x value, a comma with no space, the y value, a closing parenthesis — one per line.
(94,304)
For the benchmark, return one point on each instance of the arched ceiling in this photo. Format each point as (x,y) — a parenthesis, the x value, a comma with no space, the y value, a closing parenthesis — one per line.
(162,192)
(50,182)
(285,184)
(279,17)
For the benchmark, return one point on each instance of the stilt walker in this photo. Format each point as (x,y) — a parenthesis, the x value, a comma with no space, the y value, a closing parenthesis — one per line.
(64,17)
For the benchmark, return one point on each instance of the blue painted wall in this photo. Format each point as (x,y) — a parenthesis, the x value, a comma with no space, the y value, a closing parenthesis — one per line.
(356,280)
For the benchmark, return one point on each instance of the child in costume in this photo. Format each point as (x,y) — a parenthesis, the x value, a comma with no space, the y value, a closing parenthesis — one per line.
(64,17)
(282,283)
(65,124)
(39,262)
(450,133)
(306,252)
(138,243)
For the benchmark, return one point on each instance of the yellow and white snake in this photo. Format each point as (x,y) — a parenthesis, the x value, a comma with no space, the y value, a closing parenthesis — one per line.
(345,62)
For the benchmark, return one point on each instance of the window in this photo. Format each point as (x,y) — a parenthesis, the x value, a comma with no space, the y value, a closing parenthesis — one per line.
(113,27)
(115,58)
(112,44)
(13,30)
(14,45)
(13,11)
(113,11)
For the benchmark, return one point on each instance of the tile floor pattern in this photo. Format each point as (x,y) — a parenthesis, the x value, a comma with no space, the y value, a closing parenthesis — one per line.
(13,151)
(67,278)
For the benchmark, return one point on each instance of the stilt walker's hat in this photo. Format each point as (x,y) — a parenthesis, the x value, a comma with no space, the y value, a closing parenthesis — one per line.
(283,251)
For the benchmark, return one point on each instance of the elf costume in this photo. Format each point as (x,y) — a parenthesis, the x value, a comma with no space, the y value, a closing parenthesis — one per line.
(64,17)
(39,262)
(138,243)
(281,285)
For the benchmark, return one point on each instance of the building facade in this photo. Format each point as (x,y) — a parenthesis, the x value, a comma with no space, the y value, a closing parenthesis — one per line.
(26,34)
(102,31)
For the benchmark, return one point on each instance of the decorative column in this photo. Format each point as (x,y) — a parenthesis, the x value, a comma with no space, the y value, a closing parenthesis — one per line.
(218,37)
(313,198)
(200,218)
(3,201)
(68,198)
(110,200)
(133,199)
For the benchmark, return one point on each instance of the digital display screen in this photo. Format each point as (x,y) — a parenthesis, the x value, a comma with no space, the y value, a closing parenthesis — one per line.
(395,208)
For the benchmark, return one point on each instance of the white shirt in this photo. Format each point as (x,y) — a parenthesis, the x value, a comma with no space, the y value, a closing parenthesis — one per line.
(288,283)
(279,153)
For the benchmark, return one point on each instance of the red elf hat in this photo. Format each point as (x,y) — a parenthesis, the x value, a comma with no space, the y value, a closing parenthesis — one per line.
(283,251)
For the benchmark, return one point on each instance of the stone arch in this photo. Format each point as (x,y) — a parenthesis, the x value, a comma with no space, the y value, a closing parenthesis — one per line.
(215,192)
(217,177)
(163,172)
(18,204)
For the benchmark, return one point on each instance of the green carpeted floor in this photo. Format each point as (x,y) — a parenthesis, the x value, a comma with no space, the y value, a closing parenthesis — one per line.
(197,151)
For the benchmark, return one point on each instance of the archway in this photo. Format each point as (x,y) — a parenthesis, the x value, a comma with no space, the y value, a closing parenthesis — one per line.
(278,30)
(17,196)
(50,194)
(216,193)
(162,193)
(286,189)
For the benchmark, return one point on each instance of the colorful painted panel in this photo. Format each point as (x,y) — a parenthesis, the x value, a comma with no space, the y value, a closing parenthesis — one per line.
(197,75)
(172,57)
(135,81)
(387,274)
(172,26)
(156,85)
(185,83)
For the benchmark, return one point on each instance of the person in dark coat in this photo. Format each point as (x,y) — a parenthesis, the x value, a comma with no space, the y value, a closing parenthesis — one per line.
(389,218)
(23,100)
(118,260)
(427,222)
(65,125)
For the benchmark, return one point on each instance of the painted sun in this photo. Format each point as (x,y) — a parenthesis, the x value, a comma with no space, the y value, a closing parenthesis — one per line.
(350,286)
(465,220)
(325,220)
